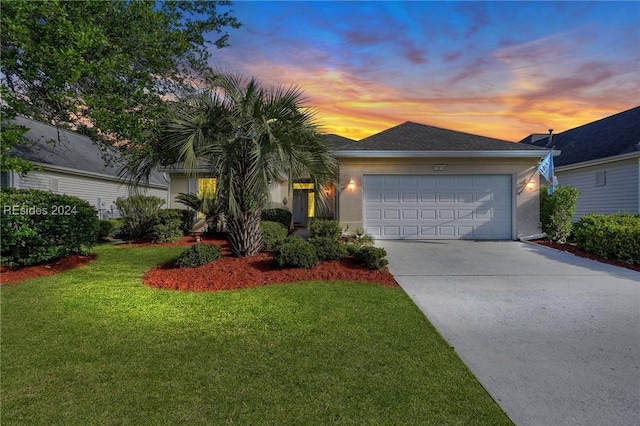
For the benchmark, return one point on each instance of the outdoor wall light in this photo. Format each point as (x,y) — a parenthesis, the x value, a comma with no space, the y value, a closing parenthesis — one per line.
(531,185)
(352,185)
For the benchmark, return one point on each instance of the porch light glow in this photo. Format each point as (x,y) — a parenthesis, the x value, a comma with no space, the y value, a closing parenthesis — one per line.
(531,185)
(352,185)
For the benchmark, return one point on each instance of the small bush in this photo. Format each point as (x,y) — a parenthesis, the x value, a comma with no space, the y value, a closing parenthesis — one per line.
(139,214)
(167,231)
(277,215)
(198,255)
(296,253)
(36,226)
(329,248)
(614,236)
(109,228)
(371,257)
(186,218)
(557,210)
(360,237)
(273,235)
(325,228)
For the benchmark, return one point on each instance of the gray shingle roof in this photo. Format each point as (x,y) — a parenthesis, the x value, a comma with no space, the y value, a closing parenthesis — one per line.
(68,150)
(337,141)
(614,135)
(411,136)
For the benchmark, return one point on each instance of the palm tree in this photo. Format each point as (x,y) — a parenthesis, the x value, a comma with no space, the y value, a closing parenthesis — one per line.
(246,137)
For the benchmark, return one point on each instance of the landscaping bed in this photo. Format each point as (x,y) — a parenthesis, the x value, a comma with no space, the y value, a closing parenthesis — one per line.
(230,273)
(571,248)
(16,275)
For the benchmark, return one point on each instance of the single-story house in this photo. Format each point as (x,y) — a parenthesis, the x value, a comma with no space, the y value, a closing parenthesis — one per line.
(70,163)
(602,160)
(415,181)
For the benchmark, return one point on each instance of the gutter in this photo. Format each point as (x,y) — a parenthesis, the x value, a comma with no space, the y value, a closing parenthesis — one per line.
(443,154)
(596,162)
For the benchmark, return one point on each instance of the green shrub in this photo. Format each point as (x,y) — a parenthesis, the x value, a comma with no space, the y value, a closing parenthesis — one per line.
(273,234)
(614,236)
(359,237)
(296,253)
(36,226)
(371,257)
(198,255)
(109,228)
(329,248)
(139,213)
(557,210)
(282,216)
(325,228)
(169,225)
(185,216)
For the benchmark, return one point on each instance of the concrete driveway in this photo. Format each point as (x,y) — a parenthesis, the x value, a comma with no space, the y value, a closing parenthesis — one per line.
(555,339)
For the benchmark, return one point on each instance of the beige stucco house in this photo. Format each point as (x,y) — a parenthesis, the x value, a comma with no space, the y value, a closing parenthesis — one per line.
(414,181)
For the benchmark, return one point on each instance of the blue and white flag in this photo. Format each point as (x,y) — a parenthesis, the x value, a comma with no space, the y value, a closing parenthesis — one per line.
(546,169)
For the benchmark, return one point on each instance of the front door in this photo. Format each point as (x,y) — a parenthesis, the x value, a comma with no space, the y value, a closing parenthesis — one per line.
(300,206)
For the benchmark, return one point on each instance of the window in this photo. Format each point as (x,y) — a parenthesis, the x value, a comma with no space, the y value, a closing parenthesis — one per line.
(601,178)
(206,187)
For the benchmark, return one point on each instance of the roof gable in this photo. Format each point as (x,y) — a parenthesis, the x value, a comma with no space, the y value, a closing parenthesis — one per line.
(70,151)
(614,135)
(411,136)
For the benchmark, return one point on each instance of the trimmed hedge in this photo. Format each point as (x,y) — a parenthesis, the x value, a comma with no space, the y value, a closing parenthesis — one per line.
(295,252)
(615,237)
(557,210)
(371,257)
(198,255)
(109,228)
(329,248)
(273,235)
(325,228)
(282,216)
(38,226)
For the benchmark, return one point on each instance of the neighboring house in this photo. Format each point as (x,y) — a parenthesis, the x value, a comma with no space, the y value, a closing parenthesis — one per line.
(70,163)
(420,182)
(602,160)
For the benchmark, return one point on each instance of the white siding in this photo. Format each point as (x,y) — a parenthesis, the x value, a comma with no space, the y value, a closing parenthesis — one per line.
(619,194)
(87,188)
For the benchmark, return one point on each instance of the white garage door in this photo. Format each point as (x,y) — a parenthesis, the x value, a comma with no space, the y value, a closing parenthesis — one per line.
(438,207)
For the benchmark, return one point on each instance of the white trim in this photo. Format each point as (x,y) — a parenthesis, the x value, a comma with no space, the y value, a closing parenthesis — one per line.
(442,154)
(596,162)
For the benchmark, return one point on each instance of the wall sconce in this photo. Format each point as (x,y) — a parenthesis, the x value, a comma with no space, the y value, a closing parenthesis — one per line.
(352,185)
(531,185)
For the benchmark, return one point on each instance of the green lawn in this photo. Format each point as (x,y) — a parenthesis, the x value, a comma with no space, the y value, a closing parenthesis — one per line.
(96,346)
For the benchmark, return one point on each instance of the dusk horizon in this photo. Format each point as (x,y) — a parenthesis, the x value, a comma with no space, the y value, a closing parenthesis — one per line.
(498,69)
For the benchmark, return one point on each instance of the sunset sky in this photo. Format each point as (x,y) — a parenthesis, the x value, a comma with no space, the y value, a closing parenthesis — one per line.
(499,69)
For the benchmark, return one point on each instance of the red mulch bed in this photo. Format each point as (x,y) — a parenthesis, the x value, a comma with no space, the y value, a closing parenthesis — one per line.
(227,273)
(570,248)
(230,273)
(15,275)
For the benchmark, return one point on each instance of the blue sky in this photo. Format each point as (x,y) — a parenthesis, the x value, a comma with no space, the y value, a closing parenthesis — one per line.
(501,69)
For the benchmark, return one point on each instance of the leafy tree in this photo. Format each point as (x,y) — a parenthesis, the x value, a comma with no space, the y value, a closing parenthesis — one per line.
(246,136)
(103,68)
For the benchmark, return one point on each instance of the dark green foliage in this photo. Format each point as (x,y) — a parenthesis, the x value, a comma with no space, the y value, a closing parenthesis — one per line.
(105,62)
(186,218)
(139,214)
(557,210)
(296,253)
(37,226)
(273,235)
(614,236)
(371,257)
(282,216)
(198,255)
(109,228)
(325,228)
(329,248)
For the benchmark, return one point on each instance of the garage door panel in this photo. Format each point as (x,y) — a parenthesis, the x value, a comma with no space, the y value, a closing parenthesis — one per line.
(438,207)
